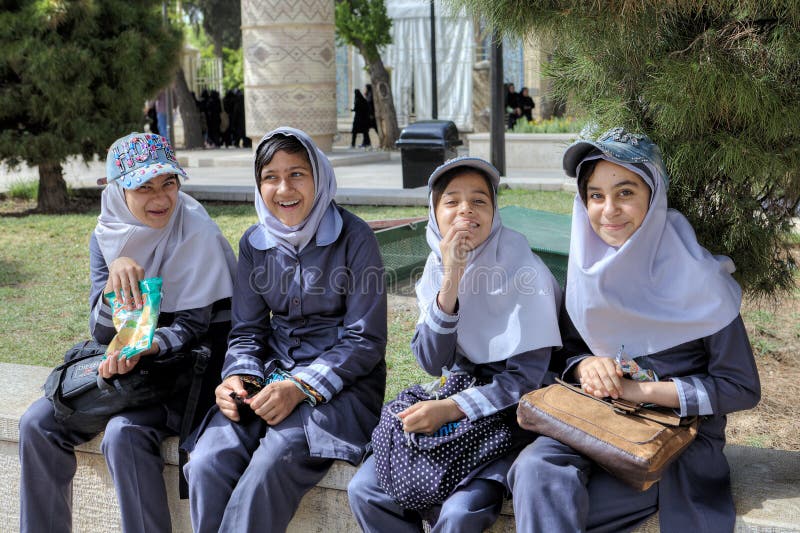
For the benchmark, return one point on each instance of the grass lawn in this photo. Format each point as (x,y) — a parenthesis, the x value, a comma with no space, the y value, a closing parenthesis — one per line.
(44,280)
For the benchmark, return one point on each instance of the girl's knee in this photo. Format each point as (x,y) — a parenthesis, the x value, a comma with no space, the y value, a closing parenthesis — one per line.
(361,485)
(37,423)
(122,436)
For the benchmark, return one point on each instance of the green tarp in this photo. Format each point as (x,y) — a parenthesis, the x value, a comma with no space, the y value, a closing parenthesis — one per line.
(404,248)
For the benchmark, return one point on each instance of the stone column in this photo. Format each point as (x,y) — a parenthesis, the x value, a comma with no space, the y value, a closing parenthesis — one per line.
(290,67)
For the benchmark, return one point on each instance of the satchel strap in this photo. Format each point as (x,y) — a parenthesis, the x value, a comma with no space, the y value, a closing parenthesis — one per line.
(202,355)
(625,407)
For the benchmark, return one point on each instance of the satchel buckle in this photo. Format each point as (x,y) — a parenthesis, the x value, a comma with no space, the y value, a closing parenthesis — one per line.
(625,407)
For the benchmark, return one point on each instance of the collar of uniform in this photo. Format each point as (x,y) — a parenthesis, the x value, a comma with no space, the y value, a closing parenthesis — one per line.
(327,233)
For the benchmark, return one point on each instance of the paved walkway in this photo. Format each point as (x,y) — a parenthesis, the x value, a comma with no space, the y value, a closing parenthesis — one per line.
(370,177)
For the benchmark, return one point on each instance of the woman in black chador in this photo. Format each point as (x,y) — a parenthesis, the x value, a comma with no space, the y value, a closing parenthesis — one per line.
(360,119)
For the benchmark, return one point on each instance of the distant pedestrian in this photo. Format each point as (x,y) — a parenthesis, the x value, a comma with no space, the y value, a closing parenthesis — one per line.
(512,105)
(526,104)
(373,124)
(213,109)
(360,120)
(162,107)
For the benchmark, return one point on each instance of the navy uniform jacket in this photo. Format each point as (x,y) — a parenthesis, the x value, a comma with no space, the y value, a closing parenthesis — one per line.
(715,375)
(435,348)
(320,315)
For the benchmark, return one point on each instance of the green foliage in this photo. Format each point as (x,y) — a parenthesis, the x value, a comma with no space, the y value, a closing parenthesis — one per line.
(221,20)
(232,68)
(24,190)
(74,75)
(363,24)
(716,84)
(551,125)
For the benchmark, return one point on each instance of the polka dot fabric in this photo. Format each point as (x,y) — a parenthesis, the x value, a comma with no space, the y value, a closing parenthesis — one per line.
(420,471)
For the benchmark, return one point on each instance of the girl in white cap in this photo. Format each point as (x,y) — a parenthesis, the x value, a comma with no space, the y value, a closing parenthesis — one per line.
(488,308)
(641,289)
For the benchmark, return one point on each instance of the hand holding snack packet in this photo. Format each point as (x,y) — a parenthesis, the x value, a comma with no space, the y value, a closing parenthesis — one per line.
(135,327)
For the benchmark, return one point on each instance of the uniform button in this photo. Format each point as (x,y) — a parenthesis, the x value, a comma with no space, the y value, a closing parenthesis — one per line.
(304,322)
(296,301)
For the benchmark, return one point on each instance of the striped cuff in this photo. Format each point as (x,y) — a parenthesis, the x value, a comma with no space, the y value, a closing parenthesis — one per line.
(321,378)
(167,340)
(248,366)
(440,322)
(693,397)
(474,404)
(102,315)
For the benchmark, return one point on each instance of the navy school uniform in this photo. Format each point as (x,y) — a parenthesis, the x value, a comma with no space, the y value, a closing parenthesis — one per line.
(557,489)
(475,503)
(320,315)
(132,439)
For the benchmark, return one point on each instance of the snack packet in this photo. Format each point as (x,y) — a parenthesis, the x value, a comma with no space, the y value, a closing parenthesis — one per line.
(135,327)
(631,368)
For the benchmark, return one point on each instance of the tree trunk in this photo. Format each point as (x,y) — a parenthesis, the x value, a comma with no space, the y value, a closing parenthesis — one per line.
(385,114)
(192,121)
(52,188)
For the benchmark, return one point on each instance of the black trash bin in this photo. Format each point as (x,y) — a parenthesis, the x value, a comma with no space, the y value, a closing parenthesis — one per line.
(425,145)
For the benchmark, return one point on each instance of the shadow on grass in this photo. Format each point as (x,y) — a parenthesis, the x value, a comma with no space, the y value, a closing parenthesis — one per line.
(12,273)
(81,201)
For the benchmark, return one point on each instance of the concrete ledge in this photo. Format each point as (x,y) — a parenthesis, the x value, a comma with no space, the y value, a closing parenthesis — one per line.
(243,158)
(766,483)
(525,150)
(344,196)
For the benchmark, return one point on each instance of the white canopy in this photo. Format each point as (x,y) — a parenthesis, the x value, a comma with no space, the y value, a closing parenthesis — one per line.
(408,59)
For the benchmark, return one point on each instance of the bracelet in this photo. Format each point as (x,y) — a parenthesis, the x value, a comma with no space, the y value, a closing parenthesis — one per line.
(319,398)
(312,397)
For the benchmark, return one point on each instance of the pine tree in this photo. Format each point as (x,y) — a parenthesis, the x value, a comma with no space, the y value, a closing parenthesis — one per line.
(715,83)
(365,25)
(74,77)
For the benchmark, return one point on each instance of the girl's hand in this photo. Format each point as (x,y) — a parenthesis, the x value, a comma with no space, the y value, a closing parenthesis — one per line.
(430,415)
(124,275)
(222,394)
(456,245)
(600,376)
(276,401)
(113,365)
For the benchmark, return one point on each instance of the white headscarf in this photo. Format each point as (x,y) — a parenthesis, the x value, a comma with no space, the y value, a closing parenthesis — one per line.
(190,254)
(292,239)
(508,299)
(659,289)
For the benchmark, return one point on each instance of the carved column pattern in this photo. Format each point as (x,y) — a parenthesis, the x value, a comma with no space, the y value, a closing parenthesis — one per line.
(290,67)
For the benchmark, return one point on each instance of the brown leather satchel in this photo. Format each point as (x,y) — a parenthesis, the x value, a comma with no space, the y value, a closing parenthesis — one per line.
(633,443)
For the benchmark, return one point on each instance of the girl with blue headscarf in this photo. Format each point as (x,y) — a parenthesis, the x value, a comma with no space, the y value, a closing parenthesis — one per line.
(304,376)
(640,289)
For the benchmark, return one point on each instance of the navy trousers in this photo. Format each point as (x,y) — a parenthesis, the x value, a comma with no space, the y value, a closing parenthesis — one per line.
(473,507)
(557,489)
(250,477)
(132,449)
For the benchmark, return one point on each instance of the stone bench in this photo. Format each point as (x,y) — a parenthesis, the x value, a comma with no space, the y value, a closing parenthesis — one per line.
(766,482)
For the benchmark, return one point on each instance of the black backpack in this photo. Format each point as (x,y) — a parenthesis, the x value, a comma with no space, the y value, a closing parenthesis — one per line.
(84,401)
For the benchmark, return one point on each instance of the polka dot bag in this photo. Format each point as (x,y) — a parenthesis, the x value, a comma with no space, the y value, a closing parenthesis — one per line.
(419,470)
